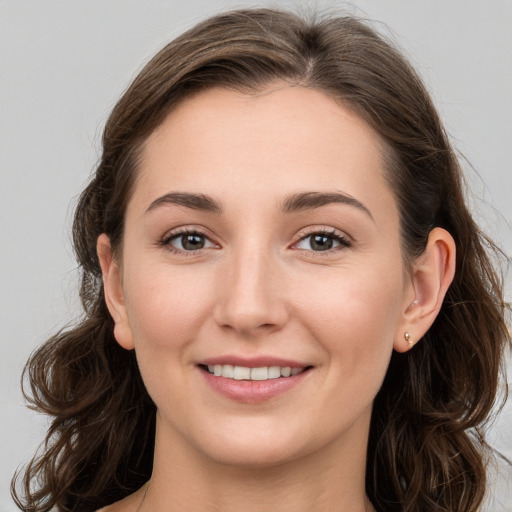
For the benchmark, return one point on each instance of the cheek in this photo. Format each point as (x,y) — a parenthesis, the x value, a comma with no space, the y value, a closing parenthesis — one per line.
(165,313)
(354,316)
(164,307)
(354,300)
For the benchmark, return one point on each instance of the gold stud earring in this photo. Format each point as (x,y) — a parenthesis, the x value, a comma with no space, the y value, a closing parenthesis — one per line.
(407,337)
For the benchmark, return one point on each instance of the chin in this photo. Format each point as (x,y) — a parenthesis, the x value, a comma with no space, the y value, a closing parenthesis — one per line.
(258,444)
(254,455)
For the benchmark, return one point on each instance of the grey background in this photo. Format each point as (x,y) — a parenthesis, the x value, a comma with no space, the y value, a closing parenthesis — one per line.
(63,64)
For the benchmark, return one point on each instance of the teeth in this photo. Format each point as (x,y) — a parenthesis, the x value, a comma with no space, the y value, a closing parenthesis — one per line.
(241,373)
(274,372)
(244,373)
(259,373)
(228,371)
(286,372)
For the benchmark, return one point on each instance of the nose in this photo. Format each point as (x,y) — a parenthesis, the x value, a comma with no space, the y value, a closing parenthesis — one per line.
(251,301)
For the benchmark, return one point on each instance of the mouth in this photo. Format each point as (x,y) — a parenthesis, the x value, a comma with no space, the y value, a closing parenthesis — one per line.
(255,379)
(261,373)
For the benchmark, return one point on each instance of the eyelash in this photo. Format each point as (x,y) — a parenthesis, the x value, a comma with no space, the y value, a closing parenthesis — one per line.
(343,241)
(166,241)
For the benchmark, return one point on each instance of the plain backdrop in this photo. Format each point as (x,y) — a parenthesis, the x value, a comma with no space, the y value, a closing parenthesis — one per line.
(64,63)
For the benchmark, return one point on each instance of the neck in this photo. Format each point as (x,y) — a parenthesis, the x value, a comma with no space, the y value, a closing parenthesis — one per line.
(330,479)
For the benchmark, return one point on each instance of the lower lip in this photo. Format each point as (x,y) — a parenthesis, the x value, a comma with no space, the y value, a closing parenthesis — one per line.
(253,391)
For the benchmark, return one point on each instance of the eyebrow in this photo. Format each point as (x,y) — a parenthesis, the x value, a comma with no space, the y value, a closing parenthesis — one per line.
(293,203)
(194,201)
(310,200)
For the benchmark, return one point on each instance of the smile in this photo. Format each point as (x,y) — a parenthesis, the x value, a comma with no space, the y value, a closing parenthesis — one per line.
(252,380)
(229,371)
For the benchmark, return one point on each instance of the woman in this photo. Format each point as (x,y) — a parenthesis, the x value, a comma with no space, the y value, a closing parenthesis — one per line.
(287,303)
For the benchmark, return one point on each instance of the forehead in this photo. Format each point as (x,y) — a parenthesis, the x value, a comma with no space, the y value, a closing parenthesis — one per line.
(281,140)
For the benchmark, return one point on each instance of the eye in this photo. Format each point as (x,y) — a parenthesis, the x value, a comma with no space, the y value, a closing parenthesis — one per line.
(187,241)
(322,241)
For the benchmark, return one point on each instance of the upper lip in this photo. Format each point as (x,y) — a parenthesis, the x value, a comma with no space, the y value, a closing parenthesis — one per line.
(253,362)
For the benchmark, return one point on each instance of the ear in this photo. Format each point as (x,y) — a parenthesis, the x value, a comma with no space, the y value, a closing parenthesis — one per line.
(113,289)
(432,274)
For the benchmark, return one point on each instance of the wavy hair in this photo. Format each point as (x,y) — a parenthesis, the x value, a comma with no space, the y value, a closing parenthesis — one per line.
(426,450)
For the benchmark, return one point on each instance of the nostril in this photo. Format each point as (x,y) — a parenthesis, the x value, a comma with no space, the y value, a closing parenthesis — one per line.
(247,321)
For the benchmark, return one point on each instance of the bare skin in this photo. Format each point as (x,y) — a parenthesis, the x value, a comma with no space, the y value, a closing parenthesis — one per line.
(260,271)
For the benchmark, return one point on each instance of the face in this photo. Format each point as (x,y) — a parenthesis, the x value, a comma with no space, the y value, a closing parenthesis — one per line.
(260,280)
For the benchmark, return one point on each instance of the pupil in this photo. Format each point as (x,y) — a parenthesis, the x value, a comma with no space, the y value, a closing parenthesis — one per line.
(321,243)
(192,242)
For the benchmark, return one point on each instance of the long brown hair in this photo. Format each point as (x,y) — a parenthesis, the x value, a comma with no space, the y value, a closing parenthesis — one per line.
(426,448)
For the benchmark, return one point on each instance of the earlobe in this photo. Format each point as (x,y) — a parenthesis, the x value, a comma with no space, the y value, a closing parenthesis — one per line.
(431,276)
(113,290)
